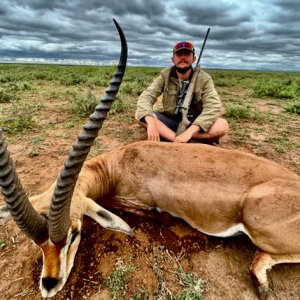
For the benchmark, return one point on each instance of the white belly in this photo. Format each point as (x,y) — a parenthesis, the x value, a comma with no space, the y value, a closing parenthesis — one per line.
(232,231)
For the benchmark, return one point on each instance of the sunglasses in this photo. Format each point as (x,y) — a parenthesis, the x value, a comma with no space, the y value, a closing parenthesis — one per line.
(184,45)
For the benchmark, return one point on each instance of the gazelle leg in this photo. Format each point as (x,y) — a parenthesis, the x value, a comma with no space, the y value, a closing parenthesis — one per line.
(263,262)
(105,218)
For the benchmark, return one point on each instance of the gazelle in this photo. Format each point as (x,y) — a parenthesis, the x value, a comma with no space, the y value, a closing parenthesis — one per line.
(217,191)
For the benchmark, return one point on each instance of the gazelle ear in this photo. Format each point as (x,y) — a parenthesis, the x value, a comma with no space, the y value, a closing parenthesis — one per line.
(105,218)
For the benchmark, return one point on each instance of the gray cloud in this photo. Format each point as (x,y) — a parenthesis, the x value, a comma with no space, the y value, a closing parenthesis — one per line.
(244,34)
(214,14)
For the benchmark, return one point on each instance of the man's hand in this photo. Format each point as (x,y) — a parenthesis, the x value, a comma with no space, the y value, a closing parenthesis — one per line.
(152,131)
(187,135)
(183,138)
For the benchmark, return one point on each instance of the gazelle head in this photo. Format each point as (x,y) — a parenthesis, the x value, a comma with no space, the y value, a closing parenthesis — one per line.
(58,261)
(57,230)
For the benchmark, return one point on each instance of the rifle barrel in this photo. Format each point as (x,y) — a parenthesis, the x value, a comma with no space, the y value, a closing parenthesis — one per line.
(206,36)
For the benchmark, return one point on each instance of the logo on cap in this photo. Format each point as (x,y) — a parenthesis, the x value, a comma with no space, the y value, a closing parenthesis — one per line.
(184,45)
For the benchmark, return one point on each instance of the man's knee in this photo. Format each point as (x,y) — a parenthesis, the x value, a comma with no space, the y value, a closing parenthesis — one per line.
(224,126)
(220,127)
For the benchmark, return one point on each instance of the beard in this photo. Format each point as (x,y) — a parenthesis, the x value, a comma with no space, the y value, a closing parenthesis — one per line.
(183,70)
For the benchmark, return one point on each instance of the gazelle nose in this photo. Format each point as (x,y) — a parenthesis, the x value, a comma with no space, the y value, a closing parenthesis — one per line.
(49,283)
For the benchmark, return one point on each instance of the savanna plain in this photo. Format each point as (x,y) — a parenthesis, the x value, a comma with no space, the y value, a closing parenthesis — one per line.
(42,109)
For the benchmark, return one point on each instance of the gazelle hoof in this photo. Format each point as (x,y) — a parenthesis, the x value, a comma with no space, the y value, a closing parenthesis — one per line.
(263,292)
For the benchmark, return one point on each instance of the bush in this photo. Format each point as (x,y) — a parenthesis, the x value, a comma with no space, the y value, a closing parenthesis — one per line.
(18,86)
(20,117)
(6,96)
(118,105)
(242,112)
(293,107)
(288,89)
(84,106)
(221,82)
(9,91)
(72,79)
(237,111)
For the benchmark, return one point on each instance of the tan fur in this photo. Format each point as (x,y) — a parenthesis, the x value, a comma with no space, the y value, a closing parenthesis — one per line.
(216,191)
(51,259)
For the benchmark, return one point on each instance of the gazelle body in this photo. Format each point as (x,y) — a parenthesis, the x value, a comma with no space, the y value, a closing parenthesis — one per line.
(217,191)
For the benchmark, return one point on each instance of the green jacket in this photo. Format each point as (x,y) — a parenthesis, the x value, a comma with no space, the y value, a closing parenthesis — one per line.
(205,103)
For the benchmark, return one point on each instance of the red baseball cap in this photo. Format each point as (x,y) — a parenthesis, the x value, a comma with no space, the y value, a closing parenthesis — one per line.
(184,45)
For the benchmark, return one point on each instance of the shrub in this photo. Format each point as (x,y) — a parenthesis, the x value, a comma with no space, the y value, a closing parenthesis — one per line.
(21,116)
(119,278)
(72,79)
(18,86)
(6,96)
(118,105)
(278,89)
(84,106)
(221,82)
(293,107)
(9,91)
(237,111)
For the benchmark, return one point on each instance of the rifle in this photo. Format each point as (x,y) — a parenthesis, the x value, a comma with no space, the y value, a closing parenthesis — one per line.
(189,95)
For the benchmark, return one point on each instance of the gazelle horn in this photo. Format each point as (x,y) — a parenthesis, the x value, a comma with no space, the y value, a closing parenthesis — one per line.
(59,214)
(27,218)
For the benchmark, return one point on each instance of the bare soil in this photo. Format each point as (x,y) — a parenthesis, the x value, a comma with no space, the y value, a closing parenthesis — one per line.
(222,263)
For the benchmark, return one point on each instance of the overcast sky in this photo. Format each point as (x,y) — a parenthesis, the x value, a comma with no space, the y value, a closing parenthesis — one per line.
(245,34)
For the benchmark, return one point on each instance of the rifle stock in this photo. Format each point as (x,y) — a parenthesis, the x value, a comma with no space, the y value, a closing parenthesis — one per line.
(186,103)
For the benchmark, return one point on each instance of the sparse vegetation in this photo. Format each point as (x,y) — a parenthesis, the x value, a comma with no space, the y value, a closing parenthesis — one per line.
(285,88)
(20,116)
(191,286)
(6,95)
(83,106)
(237,111)
(293,106)
(242,112)
(118,279)
(2,244)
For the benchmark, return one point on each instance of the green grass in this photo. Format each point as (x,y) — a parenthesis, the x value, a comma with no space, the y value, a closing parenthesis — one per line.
(164,264)
(83,106)
(293,106)
(2,245)
(242,112)
(282,89)
(192,285)
(6,95)
(119,278)
(19,117)
(281,143)
(76,90)
(28,91)
(10,91)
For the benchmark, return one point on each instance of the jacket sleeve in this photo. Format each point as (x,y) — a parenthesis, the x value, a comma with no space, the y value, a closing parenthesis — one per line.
(211,103)
(147,99)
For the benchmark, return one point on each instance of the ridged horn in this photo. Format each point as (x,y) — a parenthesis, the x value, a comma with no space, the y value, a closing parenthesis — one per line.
(59,214)
(27,218)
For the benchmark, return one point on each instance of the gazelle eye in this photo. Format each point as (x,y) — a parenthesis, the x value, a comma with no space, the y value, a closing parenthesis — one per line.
(73,238)
(74,235)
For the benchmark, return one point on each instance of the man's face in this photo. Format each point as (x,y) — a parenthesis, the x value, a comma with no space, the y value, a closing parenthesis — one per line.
(183,59)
